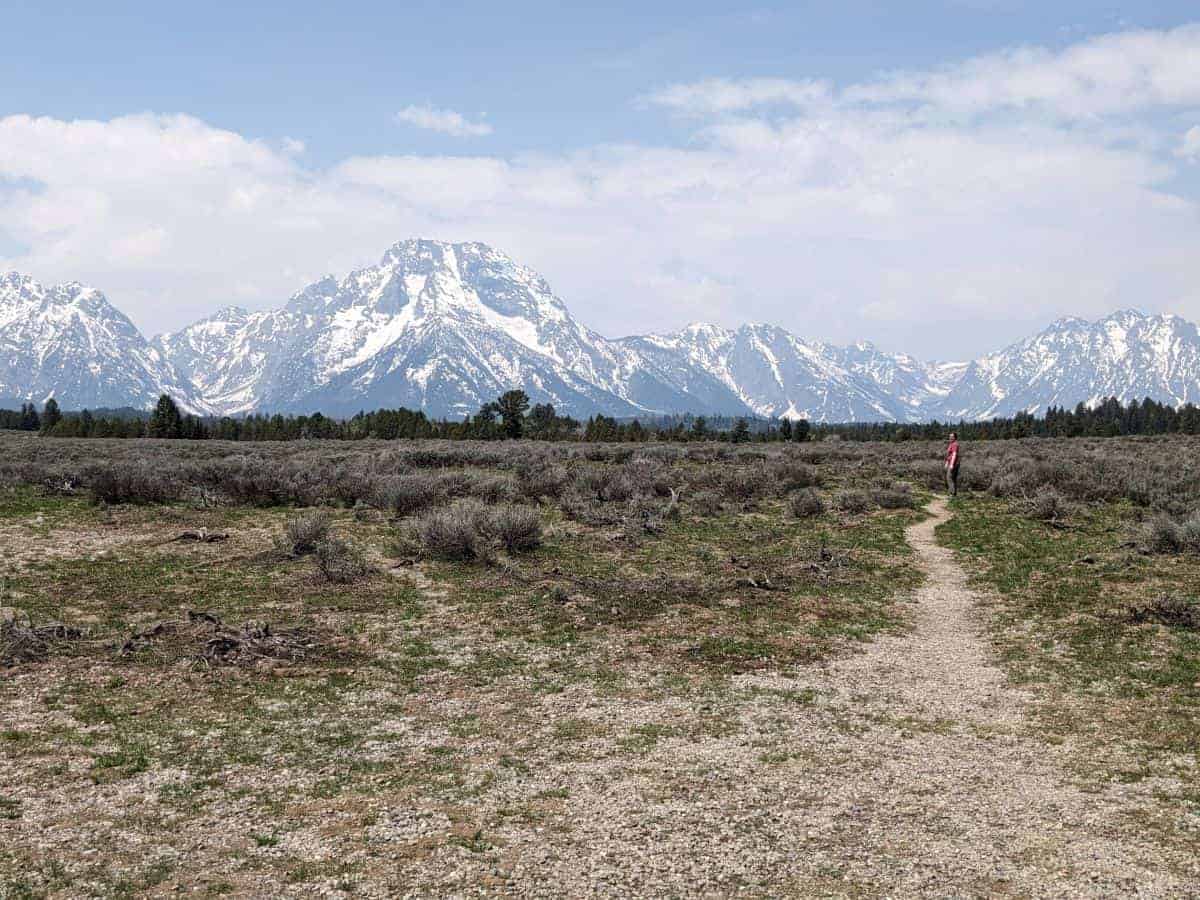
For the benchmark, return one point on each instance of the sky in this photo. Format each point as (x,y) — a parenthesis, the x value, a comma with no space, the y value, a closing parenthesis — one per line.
(939,178)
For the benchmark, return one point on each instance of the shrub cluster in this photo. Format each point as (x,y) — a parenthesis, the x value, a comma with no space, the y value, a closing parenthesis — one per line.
(806,503)
(469,529)
(1162,534)
(302,534)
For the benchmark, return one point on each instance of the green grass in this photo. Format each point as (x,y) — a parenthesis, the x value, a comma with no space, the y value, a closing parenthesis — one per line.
(1063,618)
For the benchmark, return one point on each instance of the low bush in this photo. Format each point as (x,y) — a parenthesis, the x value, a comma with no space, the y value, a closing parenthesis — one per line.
(791,475)
(1160,534)
(517,528)
(470,530)
(494,489)
(748,483)
(805,504)
(454,532)
(898,496)
(132,483)
(706,504)
(304,532)
(855,502)
(1189,534)
(407,495)
(543,481)
(1047,505)
(338,561)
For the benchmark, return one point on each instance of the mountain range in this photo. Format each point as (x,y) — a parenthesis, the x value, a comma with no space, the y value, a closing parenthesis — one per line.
(446,327)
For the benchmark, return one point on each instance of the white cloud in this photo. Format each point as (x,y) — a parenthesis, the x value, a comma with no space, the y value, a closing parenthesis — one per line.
(724,95)
(842,220)
(445,121)
(1111,74)
(1189,147)
(1116,73)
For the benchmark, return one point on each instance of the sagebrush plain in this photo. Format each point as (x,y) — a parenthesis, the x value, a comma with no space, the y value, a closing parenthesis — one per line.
(431,668)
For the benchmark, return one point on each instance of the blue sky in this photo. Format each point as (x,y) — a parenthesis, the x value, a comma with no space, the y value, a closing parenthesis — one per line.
(938,176)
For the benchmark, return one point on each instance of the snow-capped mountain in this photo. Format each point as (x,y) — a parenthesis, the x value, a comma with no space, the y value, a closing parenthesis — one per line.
(1128,355)
(447,327)
(774,373)
(67,341)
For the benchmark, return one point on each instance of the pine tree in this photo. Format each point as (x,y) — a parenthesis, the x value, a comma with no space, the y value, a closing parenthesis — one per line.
(165,421)
(50,416)
(512,407)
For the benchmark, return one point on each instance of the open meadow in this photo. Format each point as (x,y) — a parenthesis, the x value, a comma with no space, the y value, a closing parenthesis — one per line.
(382,668)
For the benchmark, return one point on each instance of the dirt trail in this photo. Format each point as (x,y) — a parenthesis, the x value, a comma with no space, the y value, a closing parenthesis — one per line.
(973,803)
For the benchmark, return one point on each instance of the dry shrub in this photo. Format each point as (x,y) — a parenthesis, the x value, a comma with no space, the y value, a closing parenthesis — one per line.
(406,495)
(805,504)
(1189,534)
(517,528)
(132,482)
(469,530)
(855,502)
(304,532)
(706,504)
(543,481)
(1047,505)
(582,506)
(454,532)
(494,489)
(791,475)
(1160,534)
(650,476)
(205,638)
(616,487)
(338,561)
(748,483)
(898,496)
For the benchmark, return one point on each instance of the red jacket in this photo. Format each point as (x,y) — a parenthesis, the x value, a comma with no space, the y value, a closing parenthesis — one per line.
(952,454)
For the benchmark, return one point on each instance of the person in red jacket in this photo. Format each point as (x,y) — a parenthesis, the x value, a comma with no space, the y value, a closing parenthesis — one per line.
(952,465)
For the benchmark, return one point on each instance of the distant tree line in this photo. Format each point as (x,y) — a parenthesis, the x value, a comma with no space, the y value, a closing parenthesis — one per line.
(1109,418)
(512,416)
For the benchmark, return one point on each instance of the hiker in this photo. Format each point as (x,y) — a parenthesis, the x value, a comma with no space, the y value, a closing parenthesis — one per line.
(952,464)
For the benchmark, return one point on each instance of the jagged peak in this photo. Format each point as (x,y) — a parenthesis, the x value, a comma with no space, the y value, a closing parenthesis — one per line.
(405,250)
(1127,313)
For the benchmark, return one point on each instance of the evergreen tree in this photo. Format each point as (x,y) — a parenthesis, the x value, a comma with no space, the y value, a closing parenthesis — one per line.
(512,407)
(50,416)
(165,421)
(741,432)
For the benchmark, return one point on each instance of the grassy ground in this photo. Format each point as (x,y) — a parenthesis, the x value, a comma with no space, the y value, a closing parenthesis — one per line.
(1068,619)
(440,708)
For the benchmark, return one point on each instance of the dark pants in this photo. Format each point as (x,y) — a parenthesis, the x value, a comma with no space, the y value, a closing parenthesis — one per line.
(952,480)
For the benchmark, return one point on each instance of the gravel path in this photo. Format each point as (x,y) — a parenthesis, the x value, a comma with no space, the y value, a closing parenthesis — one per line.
(974,804)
